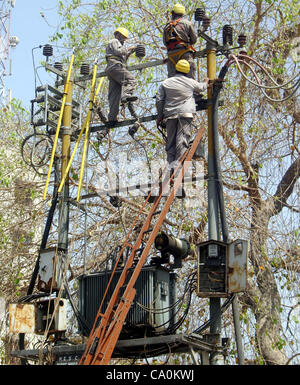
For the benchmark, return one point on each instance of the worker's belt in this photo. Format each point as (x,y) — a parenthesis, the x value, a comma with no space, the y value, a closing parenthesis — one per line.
(175,44)
(115,58)
(187,48)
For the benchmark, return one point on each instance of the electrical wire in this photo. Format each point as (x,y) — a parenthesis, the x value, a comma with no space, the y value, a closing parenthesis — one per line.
(85,327)
(249,58)
(239,61)
(206,324)
(34,68)
(189,288)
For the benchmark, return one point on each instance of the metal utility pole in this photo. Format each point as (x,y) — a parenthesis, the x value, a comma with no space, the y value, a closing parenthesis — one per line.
(213,217)
(66,132)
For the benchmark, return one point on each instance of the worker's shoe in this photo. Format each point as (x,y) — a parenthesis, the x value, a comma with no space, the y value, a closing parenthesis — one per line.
(101,115)
(128,98)
(112,123)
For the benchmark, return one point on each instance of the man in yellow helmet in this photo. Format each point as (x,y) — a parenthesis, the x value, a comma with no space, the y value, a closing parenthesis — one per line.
(179,36)
(122,84)
(176,105)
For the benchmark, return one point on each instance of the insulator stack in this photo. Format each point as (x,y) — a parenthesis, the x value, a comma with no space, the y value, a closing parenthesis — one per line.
(85,69)
(242,39)
(205,22)
(199,14)
(140,51)
(227,34)
(58,66)
(47,50)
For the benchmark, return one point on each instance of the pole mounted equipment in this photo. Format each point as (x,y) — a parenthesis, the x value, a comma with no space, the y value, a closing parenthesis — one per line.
(140,51)
(242,39)
(48,50)
(227,34)
(85,69)
(58,66)
(168,245)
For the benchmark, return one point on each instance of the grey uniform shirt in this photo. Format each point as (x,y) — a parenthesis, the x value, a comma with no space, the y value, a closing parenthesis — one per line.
(116,51)
(175,97)
(184,30)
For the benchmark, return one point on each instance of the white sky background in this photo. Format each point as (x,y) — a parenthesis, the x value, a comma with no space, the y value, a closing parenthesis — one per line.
(32,30)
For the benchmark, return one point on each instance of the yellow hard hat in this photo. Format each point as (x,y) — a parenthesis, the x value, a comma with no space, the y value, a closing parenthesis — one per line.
(183,66)
(179,9)
(122,31)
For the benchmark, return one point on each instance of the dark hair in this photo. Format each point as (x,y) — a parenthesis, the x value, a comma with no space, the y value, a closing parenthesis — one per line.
(182,73)
(176,15)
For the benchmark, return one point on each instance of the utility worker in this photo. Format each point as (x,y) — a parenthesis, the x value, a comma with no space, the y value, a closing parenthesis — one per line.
(175,105)
(121,82)
(179,36)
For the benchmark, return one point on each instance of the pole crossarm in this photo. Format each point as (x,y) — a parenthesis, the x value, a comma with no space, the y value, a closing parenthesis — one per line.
(136,67)
(128,189)
(201,105)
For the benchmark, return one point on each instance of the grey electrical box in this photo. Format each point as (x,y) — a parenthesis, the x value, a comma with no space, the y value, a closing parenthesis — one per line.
(35,318)
(51,315)
(151,310)
(222,268)
(51,268)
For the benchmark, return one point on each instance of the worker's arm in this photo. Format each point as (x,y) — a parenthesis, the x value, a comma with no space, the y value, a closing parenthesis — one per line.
(201,86)
(192,34)
(160,102)
(164,34)
(116,48)
(130,51)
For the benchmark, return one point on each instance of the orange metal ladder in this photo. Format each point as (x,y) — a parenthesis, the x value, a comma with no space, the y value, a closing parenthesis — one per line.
(105,333)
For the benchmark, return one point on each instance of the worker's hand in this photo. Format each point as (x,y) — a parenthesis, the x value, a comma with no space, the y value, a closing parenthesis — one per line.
(206,80)
(158,122)
(132,48)
(218,81)
(210,82)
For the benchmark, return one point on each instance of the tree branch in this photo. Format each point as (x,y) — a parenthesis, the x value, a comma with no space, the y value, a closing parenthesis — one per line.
(286,186)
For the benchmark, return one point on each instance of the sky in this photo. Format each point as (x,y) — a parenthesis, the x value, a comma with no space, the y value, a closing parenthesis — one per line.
(32,31)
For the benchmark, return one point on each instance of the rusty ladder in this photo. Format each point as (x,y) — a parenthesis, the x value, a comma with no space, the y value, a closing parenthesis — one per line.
(105,333)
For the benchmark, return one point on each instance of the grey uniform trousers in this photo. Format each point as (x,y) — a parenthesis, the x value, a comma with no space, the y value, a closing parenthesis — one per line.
(186,56)
(178,137)
(121,84)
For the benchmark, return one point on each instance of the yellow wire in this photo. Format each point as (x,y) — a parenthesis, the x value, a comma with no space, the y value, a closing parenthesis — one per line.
(66,89)
(77,141)
(86,139)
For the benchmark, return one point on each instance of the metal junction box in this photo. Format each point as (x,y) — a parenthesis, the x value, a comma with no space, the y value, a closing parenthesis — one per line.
(151,310)
(51,269)
(34,318)
(22,318)
(222,268)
